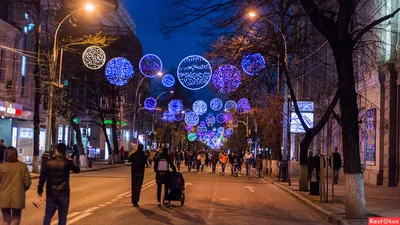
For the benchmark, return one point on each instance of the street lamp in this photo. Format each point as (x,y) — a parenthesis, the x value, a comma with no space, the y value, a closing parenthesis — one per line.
(88,7)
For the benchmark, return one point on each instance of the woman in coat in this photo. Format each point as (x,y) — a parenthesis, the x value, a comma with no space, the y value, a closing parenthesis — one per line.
(14,182)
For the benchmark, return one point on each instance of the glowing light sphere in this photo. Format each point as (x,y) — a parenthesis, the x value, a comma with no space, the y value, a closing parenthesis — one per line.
(150,65)
(243,105)
(228,117)
(220,118)
(202,123)
(228,131)
(211,133)
(118,71)
(220,130)
(187,111)
(188,128)
(201,130)
(178,117)
(94,57)
(168,117)
(227,78)
(210,120)
(252,64)
(175,106)
(150,103)
(214,129)
(231,106)
(207,137)
(168,80)
(194,72)
(191,119)
(199,107)
(216,104)
(192,136)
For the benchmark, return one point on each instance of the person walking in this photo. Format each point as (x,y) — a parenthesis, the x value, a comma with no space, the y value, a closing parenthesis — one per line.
(151,157)
(317,164)
(14,182)
(259,166)
(76,153)
(122,153)
(161,167)
(240,162)
(178,160)
(310,165)
(224,160)
(2,148)
(337,164)
(232,162)
(203,159)
(214,160)
(55,174)
(249,160)
(189,161)
(138,160)
(198,161)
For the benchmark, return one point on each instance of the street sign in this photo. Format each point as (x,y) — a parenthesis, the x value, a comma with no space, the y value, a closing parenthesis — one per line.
(249,140)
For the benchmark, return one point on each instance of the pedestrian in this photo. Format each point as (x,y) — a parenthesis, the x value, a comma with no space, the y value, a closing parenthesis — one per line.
(138,160)
(232,162)
(179,160)
(249,160)
(147,153)
(161,167)
(259,165)
(2,148)
(203,159)
(224,160)
(14,182)
(240,162)
(209,157)
(317,164)
(310,165)
(190,161)
(171,156)
(122,153)
(337,164)
(151,157)
(76,153)
(56,173)
(198,161)
(214,161)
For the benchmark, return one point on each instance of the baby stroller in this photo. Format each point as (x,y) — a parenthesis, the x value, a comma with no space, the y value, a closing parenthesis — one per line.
(176,188)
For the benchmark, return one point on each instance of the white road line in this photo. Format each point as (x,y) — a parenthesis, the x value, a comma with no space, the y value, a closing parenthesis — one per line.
(78,218)
(91,209)
(107,203)
(128,192)
(114,200)
(144,187)
(68,217)
(102,205)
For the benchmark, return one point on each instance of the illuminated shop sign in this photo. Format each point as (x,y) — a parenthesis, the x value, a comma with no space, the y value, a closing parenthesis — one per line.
(10,109)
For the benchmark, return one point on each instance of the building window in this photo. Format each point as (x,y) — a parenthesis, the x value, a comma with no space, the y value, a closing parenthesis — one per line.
(66,135)
(2,69)
(60,133)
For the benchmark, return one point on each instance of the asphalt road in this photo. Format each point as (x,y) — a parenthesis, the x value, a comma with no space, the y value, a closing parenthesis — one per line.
(103,197)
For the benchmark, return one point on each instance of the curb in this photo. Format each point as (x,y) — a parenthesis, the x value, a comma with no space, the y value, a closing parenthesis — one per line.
(88,170)
(330,217)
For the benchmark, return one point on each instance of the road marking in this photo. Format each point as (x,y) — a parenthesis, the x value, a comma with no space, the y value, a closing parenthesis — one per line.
(251,189)
(107,203)
(91,209)
(144,187)
(188,184)
(121,195)
(78,218)
(102,205)
(213,200)
(68,217)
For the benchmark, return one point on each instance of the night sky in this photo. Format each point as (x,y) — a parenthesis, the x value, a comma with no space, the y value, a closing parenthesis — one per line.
(147,15)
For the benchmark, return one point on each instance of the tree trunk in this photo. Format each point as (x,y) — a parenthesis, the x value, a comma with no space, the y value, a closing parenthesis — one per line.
(82,156)
(115,140)
(354,182)
(304,146)
(36,109)
(104,128)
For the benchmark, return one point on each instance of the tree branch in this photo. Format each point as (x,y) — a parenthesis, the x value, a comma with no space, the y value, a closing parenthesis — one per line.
(327,114)
(324,24)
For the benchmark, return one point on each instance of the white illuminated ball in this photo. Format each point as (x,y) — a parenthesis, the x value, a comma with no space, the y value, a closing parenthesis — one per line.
(94,57)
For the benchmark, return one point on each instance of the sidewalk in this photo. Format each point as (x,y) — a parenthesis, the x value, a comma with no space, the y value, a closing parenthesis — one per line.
(95,167)
(381,201)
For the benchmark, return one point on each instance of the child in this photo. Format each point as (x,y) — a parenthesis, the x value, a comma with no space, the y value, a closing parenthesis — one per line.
(259,166)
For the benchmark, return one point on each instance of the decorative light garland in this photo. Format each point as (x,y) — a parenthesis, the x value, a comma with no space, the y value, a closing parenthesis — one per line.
(210,120)
(220,118)
(199,107)
(227,78)
(168,117)
(216,104)
(168,80)
(175,106)
(94,57)
(228,117)
(220,130)
(252,64)
(243,105)
(194,72)
(178,116)
(231,106)
(118,71)
(201,130)
(150,103)
(191,119)
(150,65)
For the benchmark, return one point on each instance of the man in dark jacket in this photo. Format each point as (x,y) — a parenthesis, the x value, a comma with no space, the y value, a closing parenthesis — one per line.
(337,164)
(214,161)
(56,173)
(317,163)
(310,165)
(139,161)
(2,148)
(161,167)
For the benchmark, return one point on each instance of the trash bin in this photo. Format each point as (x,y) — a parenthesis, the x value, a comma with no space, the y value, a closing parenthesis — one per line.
(314,188)
(90,162)
(282,171)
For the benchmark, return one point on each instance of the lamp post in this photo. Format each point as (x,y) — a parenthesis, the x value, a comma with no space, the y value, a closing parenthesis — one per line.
(53,70)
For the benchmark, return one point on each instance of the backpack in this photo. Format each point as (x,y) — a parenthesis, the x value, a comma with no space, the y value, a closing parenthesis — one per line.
(162,165)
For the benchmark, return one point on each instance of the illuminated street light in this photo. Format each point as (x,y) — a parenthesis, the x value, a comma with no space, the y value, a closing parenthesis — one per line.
(89,7)
(252,14)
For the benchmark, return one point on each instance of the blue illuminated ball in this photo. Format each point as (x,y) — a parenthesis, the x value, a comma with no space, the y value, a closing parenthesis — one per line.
(230,106)
(175,106)
(228,132)
(118,71)
(253,64)
(178,116)
(227,78)
(199,107)
(228,117)
(201,130)
(210,120)
(192,136)
(150,65)
(168,80)
(150,103)
(220,118)
(194,72)
(191,119)
(243,105)
(168,117)
(220,130)
(216,104)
